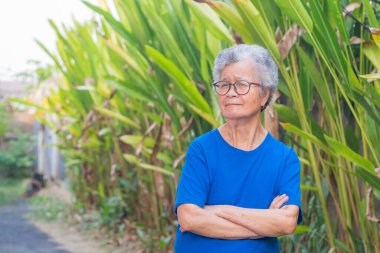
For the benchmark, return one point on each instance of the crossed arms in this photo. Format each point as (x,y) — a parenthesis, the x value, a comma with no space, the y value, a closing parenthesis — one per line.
(232,222)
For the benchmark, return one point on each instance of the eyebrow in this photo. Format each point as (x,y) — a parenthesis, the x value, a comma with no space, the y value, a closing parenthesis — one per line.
(236,76)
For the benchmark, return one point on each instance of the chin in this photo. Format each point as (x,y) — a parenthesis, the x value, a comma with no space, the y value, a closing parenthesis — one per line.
(232,116)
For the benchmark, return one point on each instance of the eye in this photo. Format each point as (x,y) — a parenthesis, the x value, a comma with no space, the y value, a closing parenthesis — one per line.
(242,84)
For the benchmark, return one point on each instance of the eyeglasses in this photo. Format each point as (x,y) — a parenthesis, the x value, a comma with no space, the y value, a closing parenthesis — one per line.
(241,87)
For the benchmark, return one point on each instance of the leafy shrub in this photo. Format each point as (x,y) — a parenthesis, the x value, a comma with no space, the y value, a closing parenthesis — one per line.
(4,119)
(18,160)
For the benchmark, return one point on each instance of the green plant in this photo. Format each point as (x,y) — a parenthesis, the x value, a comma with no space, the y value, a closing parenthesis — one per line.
(330,107)
(47,208)
(4,119)
(11,190)
(18,160)
(135,90)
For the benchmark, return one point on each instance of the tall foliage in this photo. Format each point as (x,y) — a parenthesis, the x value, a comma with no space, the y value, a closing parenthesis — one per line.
(333,110)
(4,121)
(135,90)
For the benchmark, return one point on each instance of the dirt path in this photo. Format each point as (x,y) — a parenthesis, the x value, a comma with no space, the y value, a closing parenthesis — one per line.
(73,240)
(77,242)
(18,235)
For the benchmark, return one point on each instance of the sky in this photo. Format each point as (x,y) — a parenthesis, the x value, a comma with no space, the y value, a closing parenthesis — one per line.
(22,21)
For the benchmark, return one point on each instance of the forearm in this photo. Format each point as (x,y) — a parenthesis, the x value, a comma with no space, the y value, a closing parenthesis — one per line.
(215,227)
(264,222)
(203,223)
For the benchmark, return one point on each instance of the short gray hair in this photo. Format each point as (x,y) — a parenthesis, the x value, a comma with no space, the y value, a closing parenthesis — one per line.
(263,63)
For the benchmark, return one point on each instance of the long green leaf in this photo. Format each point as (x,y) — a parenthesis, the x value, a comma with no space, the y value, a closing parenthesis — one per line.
(349,154)
(368,177)
(186,87)
(118,116)
(308,136)
(296,11)
(116,25)
(207,16)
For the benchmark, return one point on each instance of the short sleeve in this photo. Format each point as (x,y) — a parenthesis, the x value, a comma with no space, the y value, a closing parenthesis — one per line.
(194,183)
(290,182)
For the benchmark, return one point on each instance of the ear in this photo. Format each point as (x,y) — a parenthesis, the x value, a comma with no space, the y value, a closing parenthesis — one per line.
(265,97)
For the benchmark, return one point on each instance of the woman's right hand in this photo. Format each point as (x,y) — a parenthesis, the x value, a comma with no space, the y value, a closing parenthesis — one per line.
(278,201)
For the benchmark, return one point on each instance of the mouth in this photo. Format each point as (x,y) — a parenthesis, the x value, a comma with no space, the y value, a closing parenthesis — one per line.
(231,104)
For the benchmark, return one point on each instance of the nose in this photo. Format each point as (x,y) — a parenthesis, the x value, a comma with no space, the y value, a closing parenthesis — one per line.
(232,92)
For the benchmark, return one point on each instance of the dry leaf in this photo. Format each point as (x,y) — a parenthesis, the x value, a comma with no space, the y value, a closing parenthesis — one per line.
(371,216)
(355,40)
(350,8)
(178,160)
(287,42)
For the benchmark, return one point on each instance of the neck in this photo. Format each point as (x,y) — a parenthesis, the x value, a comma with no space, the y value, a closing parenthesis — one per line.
(246,135)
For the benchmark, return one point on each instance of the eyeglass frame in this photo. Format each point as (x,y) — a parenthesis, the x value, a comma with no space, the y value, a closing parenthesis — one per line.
(234,84)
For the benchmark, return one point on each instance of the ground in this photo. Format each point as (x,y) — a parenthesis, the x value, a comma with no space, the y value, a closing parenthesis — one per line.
(18,235)
(23,232)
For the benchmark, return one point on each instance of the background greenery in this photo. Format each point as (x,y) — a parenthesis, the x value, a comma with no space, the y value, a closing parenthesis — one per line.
(16,149)
(10,190)
(18,158)
(135,89)
(4,121)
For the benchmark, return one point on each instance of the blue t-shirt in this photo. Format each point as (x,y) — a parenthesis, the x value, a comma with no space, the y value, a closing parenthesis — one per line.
(216,173)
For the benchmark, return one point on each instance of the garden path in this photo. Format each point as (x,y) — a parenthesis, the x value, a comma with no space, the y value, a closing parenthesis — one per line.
(18,235)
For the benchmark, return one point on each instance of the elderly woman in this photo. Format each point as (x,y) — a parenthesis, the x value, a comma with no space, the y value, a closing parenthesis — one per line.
(240,187)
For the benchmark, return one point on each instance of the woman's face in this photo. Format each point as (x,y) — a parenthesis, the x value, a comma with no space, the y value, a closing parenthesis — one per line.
(235,106)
